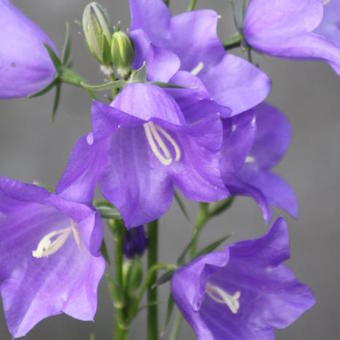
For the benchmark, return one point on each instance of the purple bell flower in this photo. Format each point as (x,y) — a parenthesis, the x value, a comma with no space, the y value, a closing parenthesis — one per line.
(254,143)
(141,147)
(243,293)
(304,29)
(25,66)
(135,242)
(190,41)
(50,260)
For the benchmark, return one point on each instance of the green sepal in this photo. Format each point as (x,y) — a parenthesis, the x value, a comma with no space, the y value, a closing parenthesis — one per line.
(46,89)
(107,210)
(138,76)
(116,292)
(169,311)
(66,52)
(213,246)
(164,278)
(215,209)
(105,253)
(54,58)
(181,205)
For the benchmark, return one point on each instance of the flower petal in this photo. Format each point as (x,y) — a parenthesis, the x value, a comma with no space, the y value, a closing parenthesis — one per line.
(25,66)
(236,83)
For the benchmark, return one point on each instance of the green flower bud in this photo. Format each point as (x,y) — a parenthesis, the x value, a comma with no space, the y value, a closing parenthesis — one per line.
(133,274)
(97,31)
(122,52)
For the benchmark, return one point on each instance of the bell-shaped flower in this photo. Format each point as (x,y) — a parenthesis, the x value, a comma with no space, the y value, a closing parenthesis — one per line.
(50,261)
(244,292)
(304,29)
(141,147)
(265,135)
(25,66)
(191,42)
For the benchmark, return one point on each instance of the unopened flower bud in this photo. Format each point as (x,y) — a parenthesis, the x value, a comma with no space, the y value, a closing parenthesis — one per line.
(122,51)
(97,31)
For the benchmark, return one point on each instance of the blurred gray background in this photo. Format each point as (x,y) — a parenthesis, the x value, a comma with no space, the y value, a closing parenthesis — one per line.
(31,148)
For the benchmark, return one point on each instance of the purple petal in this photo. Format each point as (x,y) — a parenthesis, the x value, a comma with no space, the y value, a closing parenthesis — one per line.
(149,102)
(235,83)
(161,64)
(197,174)
(292,29)
(272,137)
(25,66)
(85,165)
(134,180)
(193,37)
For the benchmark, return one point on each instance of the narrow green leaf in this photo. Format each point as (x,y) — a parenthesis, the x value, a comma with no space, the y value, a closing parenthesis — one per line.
(56,101)
(169,312)
(164,278)
(92,336)
(211,247)
(218,208)
(181,205)
(67,45)
(181,258)
(168,85)
(45,90)
(55,59)
(105,252)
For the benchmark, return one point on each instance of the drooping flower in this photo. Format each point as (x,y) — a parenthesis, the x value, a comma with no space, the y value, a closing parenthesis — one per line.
(254,143)
(25,66)
(191,39)
(142,146)
(304,29)
(49,256)
(245,292)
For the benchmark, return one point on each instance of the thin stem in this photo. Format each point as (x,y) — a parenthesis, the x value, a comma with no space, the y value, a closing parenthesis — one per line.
(152,321)
(192,5)
(176,327)
(120,331)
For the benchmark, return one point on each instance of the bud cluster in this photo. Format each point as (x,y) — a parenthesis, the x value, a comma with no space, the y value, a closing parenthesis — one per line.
(111,47)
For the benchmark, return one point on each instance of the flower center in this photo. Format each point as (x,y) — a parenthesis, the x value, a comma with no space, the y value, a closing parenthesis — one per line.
(55,240)
(154,135)
(221,296)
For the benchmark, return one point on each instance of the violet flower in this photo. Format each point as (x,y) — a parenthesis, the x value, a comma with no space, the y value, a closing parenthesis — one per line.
(243,293)
(135,242)
(304,29)
(190,41)
(254,143)
(50,261)
(142,146)
(25,66)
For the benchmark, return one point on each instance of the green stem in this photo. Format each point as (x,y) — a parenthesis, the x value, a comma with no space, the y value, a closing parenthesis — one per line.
(120,330)
(152,321)
(176,327)
(202,219)
(192,5)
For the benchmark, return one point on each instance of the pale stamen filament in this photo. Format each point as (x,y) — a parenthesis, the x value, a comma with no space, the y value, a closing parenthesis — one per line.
(55,240)
(154,135)
(197,69)
(221,296)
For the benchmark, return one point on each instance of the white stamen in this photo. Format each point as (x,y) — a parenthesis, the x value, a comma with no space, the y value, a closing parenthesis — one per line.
(153,135)
(250,159)
(197,69)
(55,240)
(253,121)
(220,296)
(326,2)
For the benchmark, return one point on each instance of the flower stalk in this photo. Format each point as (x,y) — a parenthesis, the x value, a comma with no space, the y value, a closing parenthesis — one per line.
(152,292)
